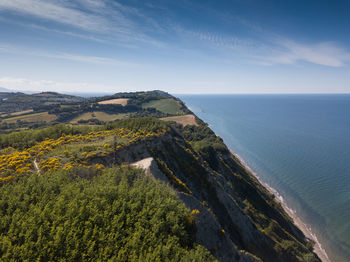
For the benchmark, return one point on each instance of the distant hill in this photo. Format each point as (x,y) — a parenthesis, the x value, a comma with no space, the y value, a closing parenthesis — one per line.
(24,111)
(15,102)
(2,89)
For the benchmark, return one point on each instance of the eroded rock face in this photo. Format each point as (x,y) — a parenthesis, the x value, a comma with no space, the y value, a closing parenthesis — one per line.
(234,208)
(210,234)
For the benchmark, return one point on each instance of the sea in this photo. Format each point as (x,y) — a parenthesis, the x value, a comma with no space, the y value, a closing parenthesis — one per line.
(299,145)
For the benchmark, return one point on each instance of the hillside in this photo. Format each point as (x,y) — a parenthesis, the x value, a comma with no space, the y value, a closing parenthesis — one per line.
(138,188)
(20,111)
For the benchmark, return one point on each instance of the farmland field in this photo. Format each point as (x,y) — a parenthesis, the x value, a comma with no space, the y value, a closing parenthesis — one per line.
(118,101)
(168,106)
(182,120)
(37,117)
(99,116)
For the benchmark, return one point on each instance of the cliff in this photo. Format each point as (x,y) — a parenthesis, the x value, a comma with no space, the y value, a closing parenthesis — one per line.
(236,218)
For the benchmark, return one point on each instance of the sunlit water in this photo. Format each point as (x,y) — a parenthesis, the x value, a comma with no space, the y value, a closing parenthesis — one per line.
(299,145)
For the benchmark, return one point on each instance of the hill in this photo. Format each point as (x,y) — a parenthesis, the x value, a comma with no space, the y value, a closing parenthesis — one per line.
(20,111)
(139,188)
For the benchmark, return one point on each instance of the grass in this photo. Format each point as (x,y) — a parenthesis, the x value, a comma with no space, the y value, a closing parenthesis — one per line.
(79,147)
(37,117)
(168,106)
(67,106)
(21,112)
(99,116)
(182,120)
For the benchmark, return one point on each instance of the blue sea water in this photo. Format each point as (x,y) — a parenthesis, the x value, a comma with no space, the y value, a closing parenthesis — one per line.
(299,145)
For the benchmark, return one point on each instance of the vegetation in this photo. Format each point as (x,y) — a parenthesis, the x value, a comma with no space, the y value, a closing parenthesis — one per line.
(14,163)
(61,200)
(119,215)
(20,111)
(28,138)
(167,106)
(100,116)
(136,98)
(146,123)
(267,214)
(205,142)
(185,120)
(36,117)
(14,102)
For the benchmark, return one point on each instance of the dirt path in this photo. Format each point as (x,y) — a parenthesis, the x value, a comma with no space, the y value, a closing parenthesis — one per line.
(36,166)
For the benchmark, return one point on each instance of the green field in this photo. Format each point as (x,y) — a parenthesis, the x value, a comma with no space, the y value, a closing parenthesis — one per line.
(168,106)
(37,117)
(99,116)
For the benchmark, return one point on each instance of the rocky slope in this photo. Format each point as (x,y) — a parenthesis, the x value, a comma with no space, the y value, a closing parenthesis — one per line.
(237,218)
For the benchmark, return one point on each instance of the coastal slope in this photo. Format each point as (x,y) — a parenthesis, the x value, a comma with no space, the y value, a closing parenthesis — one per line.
(226,213)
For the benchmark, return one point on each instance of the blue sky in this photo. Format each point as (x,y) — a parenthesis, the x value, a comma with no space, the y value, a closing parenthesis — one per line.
(182,46)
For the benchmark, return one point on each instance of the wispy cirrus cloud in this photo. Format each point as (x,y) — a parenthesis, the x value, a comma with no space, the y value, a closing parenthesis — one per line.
(291,52)
(56,11)
(10,49)
(113,23)
(106,19)
(270,49)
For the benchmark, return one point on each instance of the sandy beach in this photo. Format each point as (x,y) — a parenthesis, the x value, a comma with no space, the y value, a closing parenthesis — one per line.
(306,229)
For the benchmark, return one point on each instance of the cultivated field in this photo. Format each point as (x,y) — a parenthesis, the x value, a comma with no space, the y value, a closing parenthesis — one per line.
(21,112)
(17,113)
(37,117)
(102,116)
(117,101)
(182,120)
(168,106)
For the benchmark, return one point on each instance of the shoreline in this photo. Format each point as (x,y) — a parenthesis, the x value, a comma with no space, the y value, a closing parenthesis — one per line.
(306,229)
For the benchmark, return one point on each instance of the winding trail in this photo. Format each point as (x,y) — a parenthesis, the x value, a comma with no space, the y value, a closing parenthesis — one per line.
(36,166)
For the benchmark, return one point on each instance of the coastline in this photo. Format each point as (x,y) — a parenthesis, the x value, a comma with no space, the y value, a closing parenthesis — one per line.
(306,229)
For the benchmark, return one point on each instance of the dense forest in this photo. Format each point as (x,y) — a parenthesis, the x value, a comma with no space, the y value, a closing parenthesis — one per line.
(117,215)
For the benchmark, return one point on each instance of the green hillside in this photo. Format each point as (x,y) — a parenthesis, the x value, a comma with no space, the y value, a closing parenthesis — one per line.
(136,189)
(116,215)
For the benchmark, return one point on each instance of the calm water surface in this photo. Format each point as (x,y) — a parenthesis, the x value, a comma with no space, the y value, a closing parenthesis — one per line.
(299,145)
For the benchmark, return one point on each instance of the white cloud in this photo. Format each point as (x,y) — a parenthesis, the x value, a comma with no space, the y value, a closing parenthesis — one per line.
(23,84)
(325,53)
(56,11)
(107,19)
(66,56)
(270,50)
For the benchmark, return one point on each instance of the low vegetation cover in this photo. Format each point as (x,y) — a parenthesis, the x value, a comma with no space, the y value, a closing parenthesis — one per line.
(185,120)
(75,150)
(36,117)
(168,106)
(119,215)
(20,111)
(96,117)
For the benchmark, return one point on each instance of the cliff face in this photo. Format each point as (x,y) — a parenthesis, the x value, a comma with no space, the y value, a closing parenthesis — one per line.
(237,218)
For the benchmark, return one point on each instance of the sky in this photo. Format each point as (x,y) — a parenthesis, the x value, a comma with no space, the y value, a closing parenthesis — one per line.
(179,46)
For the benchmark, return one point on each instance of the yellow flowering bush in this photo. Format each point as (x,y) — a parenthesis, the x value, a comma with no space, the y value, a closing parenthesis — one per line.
(14,163)
(51,164)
